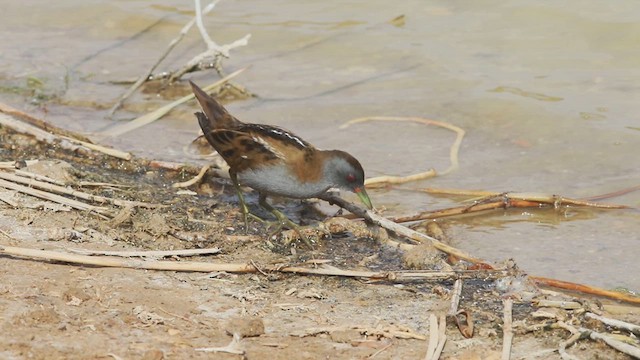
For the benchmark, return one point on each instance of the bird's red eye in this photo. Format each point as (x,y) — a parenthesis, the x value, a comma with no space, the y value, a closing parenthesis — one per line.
(351,178)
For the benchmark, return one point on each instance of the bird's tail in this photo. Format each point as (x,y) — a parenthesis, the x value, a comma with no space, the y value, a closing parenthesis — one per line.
(217,117)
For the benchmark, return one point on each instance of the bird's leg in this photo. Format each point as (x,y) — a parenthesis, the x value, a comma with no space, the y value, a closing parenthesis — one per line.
(243,205)
(283,220)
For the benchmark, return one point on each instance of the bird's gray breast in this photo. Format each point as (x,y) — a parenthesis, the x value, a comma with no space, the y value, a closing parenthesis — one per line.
(278,180)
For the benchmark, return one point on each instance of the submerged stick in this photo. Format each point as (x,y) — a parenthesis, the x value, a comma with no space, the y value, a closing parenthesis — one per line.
(162,111)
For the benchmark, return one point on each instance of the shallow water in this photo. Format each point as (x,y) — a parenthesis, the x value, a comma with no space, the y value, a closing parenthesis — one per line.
(546,92)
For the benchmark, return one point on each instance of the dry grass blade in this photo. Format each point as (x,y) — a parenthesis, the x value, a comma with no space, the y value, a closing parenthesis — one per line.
(157,114)
(12,164)
(38,177)
(453,154)
(149,254)
(53,197)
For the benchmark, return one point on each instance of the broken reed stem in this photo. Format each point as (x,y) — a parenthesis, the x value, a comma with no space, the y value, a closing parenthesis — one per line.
(555,200)
(67,191)
(195,266)
(575,336)
(504,202)
(455,297)
(402,230)
(64,142)
(55,198)
(144,78)
(632,328)
(507,329)
(585,289)
(453,153)
(616,344)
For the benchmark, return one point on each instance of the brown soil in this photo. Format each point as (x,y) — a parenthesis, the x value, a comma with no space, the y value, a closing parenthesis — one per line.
(52,310)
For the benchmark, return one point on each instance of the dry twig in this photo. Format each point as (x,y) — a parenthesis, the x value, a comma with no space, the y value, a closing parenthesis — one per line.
(234,347)
(214,52)
(585,289)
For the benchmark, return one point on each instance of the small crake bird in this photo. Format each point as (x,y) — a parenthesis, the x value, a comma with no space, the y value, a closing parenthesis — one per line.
(274,161)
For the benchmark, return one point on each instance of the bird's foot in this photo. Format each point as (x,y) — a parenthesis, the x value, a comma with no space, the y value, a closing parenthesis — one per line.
(305,233)
(283,222)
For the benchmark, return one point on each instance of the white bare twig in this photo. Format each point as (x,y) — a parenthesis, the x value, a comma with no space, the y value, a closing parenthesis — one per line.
(214,51)
(142,79)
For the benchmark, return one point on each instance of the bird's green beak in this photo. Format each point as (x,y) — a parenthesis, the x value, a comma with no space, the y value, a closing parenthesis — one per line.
(362,194)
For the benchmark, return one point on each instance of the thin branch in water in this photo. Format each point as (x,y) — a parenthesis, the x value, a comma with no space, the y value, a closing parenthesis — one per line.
(502,201)
(62,141)
(453,153)
(214,52)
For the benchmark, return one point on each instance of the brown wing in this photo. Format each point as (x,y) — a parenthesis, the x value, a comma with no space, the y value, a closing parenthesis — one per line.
(241,150)
(292,149)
